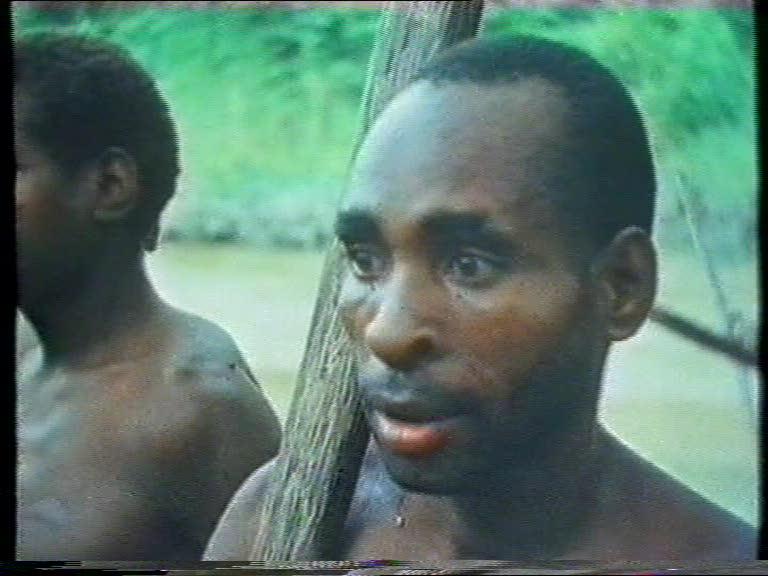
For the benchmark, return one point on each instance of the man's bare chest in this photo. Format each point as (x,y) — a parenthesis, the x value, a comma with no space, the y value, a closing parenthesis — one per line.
(385,523)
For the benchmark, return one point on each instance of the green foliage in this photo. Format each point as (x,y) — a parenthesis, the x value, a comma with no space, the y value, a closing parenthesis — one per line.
(267,100)
(693,75)
(691,69)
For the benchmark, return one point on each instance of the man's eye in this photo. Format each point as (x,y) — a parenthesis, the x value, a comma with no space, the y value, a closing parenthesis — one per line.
(367,263)
(473,270)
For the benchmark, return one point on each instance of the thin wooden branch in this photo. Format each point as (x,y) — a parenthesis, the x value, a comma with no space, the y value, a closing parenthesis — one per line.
(693,210)
(704,337)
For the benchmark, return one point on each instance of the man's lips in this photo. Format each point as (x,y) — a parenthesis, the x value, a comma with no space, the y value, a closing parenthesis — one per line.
(413,439)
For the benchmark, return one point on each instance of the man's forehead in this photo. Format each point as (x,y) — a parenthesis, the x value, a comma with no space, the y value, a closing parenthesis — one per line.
(490,157)
(455,136)
(466,200)
(451,121)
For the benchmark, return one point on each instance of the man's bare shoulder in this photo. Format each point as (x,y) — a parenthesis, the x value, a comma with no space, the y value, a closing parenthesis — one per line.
(667,519)
(234,534)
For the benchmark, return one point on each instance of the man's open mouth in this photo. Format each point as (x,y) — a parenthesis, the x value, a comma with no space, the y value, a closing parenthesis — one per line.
(413,437)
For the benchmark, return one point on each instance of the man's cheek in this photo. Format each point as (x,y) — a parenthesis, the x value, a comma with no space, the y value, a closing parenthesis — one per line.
(508,345)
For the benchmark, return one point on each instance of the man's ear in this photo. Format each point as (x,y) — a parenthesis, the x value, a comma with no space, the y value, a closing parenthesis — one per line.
(626,274)
(115,179)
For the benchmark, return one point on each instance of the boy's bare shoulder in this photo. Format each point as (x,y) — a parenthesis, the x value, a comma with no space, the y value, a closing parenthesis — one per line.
(206,361)
(205,365)
(201,346)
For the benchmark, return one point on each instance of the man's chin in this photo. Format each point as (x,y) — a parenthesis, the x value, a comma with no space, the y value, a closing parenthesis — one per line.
(438,476)
(457,471)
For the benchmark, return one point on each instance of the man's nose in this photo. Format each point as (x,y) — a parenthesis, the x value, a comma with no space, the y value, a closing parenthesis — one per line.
(401,332)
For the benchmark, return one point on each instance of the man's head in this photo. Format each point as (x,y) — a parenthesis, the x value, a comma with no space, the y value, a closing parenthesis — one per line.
(96,151)
(497,231)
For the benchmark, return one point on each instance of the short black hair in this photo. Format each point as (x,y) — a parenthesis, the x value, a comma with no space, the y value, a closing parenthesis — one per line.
(87,95)
(609,150)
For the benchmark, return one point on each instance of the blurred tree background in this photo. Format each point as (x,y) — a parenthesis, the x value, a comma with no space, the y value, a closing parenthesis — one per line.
(267,100)
(267,103)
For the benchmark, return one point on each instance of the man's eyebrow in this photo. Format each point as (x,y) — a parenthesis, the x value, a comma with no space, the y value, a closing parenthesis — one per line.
(356,224)
(464,227)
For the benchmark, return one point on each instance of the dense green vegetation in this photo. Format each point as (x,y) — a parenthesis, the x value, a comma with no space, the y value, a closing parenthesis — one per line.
(267,104)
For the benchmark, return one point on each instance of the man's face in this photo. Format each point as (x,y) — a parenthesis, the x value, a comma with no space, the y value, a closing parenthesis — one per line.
(51,231)
(467,300)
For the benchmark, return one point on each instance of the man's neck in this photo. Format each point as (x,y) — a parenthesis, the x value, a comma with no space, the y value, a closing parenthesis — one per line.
(534,510)
(96,323)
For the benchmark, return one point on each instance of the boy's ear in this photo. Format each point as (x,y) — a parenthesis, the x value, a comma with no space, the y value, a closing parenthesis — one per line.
(115,185)
(626,274)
